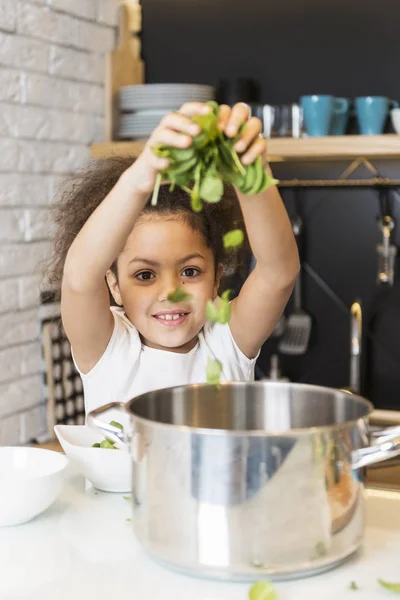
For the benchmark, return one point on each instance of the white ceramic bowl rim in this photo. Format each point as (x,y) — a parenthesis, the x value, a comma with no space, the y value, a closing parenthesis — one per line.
(27,463)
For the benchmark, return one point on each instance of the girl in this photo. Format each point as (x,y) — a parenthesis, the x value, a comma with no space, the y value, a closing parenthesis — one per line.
(112,241)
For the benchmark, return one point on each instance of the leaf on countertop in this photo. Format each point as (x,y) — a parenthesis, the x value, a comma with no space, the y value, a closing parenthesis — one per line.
(353,586)
(262,590)
(129,498)
(391,587)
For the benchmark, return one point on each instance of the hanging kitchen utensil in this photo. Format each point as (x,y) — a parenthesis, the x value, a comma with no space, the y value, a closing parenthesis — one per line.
(298,328)
(386,251)
(275,371)
(355,348)
(383,324)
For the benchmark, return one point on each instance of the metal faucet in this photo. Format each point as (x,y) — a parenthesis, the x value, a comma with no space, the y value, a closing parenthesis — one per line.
(355,347)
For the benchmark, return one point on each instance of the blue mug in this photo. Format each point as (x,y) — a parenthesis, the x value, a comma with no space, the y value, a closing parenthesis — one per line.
(318,113)
(372,112)
(340,117)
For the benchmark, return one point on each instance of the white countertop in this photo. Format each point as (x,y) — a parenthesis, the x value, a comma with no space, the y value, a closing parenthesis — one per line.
(83,547)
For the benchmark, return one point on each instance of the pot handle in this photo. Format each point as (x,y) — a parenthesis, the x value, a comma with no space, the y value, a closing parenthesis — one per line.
(386,445)
(121,438)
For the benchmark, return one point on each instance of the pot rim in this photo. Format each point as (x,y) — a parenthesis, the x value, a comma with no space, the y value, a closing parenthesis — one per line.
(298,431)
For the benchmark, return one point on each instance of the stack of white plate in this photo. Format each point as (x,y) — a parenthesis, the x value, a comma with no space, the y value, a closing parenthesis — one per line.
(145,105)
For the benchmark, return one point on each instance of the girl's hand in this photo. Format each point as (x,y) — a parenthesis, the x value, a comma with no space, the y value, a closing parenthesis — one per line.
(250,144)
(175,129)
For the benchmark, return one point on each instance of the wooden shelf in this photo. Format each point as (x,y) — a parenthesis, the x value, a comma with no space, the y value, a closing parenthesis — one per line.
(334,147)
(105,149)
(289,149)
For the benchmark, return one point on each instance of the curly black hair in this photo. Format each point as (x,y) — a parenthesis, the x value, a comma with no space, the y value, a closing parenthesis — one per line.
(86,188)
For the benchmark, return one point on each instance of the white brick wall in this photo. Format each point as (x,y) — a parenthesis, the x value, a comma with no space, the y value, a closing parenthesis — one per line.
(51,109)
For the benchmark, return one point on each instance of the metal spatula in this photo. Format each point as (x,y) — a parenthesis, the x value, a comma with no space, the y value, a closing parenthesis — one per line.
(298,327)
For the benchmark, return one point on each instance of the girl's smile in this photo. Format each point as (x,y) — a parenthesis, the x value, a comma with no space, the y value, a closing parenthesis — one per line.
(171,318)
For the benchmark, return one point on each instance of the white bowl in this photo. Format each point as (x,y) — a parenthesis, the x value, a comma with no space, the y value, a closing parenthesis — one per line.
(30,481)
(395,114)
(108,470)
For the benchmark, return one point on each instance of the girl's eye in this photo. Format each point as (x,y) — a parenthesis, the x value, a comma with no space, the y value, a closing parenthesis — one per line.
(190,272)
(145,275)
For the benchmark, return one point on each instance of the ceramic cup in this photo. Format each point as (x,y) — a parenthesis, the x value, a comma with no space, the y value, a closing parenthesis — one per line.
(318,113)
(395,116)
(372,112)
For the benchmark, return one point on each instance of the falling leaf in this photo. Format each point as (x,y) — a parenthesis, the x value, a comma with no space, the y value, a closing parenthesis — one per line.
(233,239)
(214,370)
(179,295)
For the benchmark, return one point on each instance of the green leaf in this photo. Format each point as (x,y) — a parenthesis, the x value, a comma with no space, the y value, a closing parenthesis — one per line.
(320,549)
(97,445)
(108,444)
(196,203)
(233,238)
(129,498)
(219,312)
(117,425)
(262,590)
(214,106)
(211,188)
(179,155)
(161,151)
(156,190)
(224,310)
(211,312)
(391,587)
(353,586)
(214,370)
(209,126)
(179,295)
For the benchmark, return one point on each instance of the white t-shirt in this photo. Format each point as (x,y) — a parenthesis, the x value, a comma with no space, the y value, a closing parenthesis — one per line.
(128,368)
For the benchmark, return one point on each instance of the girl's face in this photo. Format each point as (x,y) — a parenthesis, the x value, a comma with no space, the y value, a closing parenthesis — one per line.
(162,254)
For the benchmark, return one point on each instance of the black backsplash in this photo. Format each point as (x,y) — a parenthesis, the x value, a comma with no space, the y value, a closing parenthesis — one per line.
(289,48)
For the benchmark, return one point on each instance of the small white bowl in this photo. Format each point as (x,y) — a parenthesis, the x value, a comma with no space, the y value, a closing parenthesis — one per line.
(30,481)
(108,470)
(395,115)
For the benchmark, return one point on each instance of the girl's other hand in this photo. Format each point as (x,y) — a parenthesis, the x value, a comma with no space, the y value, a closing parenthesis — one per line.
(175,129)
(249,144)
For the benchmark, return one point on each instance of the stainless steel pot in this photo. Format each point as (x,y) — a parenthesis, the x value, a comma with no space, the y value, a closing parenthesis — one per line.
(251,480)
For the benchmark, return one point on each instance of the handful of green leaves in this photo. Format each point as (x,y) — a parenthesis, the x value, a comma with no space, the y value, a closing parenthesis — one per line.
(208,163)
(107,443)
